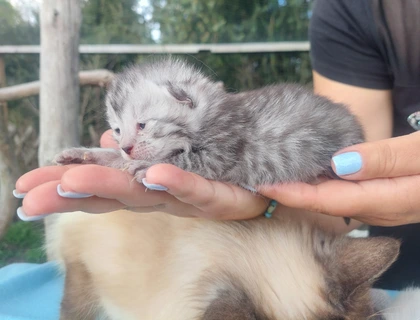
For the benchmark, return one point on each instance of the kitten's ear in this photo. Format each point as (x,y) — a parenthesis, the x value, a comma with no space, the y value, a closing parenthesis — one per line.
(360,261)
(180,95)
(231,305)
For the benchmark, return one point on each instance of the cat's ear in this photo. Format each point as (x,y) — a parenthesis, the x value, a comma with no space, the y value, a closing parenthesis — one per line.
(360,261)
(180,95)
(231,304)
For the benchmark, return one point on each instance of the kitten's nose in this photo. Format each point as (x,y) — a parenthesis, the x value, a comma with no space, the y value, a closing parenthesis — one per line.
(128,149)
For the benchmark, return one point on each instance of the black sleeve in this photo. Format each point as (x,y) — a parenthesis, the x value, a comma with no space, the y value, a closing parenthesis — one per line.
(345,44)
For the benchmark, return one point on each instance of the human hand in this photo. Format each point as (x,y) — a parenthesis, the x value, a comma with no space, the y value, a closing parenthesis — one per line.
(383,187)
(97,189)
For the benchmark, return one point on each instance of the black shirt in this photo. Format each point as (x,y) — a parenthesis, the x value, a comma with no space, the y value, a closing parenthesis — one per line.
(376,44)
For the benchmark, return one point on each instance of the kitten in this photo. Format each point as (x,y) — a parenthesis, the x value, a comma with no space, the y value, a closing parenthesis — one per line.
(126,265)
(167,111)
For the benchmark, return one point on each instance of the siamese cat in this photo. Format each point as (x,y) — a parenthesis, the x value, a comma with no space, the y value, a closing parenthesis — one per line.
(126,265)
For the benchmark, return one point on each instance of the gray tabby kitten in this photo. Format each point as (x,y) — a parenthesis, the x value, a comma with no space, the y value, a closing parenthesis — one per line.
(167,111)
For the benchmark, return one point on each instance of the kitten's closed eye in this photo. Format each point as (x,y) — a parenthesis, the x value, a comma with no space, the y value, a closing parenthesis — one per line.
(117,130)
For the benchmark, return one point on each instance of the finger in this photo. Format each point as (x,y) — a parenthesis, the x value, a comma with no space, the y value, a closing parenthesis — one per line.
(107,140)
(179,209)
(110,183)
(39,176)
(381,202)
(389,158)
(214,199)
(34,203)
(317,198)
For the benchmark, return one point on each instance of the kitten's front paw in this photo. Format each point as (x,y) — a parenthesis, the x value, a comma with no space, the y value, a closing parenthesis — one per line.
(137,168)
(140,175)
(75,155)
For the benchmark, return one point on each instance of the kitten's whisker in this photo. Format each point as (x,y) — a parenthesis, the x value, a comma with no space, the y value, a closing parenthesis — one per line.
(383,312)
(203,64)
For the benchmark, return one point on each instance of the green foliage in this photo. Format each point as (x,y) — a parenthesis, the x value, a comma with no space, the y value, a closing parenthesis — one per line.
(22,243)
(109,21)
(236,21)
(19,69)
(219,21)
(13,29)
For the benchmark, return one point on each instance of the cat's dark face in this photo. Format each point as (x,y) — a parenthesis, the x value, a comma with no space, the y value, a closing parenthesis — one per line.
(319,277)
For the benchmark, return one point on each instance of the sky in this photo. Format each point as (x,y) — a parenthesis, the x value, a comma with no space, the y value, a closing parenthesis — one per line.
(26,8)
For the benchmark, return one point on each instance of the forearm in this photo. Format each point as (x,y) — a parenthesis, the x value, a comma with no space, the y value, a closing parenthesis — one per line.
(373,108)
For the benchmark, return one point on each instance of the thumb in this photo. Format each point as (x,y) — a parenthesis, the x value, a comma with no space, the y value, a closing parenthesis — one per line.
(107,141)
(388,158)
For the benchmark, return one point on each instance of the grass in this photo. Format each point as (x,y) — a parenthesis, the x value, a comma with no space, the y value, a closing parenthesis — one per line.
(22,243)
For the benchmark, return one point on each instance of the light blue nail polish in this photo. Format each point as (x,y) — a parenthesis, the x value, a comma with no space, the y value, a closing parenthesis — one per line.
(19,195)
(22,215)
(72,195)
(347,163)
(151,186)
(249,188)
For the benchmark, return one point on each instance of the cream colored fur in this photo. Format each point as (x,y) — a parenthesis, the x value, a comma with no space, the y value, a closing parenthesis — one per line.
(151,266)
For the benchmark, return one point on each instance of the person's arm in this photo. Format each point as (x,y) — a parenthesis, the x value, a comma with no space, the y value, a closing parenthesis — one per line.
(346,64)
(373,107)
(383,187)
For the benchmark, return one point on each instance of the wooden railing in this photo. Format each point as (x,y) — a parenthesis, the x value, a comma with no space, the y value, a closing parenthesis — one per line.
(99,77)
(250,47)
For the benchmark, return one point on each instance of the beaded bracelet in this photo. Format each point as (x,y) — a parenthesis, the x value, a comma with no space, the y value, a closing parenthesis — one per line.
(414,120)
(271,207)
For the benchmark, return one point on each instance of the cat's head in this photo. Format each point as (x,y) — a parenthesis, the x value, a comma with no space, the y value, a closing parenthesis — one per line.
(318,277)
(155,109)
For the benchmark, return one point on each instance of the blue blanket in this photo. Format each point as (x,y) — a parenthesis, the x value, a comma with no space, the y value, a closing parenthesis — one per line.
(30,291)
(34,291)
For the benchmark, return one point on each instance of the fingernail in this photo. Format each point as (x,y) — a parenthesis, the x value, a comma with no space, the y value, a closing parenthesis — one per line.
(22,215)
(151,186)
(249,188)
(72,195)
(19,195)
(347,163)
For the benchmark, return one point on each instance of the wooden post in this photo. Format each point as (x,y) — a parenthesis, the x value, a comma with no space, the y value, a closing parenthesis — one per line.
(59,67)
(9,169)
(59,91)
